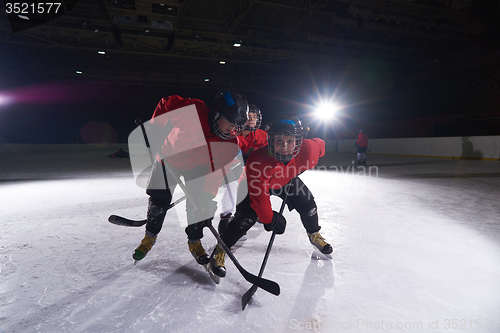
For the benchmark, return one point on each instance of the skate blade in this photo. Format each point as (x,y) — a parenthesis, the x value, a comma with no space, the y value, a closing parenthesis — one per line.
(214,277)
(328,256)
(320,254)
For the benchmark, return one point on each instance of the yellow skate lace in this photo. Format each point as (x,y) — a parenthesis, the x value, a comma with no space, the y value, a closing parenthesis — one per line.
(197,249)
(318,239)
(220,256)
(146,244)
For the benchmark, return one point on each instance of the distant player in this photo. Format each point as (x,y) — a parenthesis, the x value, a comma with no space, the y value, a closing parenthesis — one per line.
(362,145)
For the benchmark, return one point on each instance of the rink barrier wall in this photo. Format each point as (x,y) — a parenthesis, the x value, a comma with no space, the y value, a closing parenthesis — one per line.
(466,147)
(471,147)
(22,148)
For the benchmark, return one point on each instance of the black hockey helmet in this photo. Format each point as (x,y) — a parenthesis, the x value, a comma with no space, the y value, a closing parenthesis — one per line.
(285,126)
(234,108)
(255,110)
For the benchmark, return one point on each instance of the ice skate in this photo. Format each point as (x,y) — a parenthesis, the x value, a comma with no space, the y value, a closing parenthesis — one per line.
(217,262)
(198,252)
(319,242)
(147,243)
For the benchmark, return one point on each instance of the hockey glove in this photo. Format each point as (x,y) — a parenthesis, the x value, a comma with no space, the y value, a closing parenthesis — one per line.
(356,145)
(277,225)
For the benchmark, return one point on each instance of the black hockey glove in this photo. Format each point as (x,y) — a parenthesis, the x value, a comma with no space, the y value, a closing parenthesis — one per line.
(356,145)
(277,225)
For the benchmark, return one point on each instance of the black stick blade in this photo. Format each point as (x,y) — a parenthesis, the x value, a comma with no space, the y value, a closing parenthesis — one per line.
(268,285)
(247,296)
(118,220)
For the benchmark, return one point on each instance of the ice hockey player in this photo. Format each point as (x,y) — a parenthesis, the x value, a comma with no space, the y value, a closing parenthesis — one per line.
(222,123)
(362,145)
(268,170)
(251,138)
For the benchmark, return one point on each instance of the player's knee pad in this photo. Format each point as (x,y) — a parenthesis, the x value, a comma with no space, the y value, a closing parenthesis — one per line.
(236,228)
(309,216)
(246,224)
(307,208)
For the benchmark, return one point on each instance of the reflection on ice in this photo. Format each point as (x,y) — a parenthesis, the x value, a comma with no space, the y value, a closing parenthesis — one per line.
(411,254)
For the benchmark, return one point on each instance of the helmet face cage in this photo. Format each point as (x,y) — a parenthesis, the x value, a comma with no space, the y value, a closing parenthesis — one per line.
(285,131)
(275,139)
(237,129)
(255,111)
(233,107)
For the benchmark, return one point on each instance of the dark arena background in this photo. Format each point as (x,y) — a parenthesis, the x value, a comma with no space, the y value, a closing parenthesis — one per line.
(398,68)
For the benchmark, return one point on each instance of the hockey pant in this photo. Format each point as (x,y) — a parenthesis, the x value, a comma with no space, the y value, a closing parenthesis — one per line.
(229,188)
(161,185)
(361,154)
(299,198)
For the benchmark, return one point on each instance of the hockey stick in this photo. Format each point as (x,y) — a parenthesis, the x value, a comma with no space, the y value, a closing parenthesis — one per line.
(248,295)
(267,285)
(119,220)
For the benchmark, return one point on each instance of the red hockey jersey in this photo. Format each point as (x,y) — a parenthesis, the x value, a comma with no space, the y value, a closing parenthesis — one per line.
(254,140)
(362,140)
(264,172)
(190,143)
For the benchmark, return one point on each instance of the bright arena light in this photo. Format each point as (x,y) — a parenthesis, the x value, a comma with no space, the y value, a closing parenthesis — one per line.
(326,111)
(4,100)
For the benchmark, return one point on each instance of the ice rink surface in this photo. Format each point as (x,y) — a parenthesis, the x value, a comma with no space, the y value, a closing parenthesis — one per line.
(416,249)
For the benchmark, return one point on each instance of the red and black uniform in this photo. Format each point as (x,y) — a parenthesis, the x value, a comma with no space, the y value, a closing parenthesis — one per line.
(190,142)
(252,141)
(267,176)
(184,139)
(362,142)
